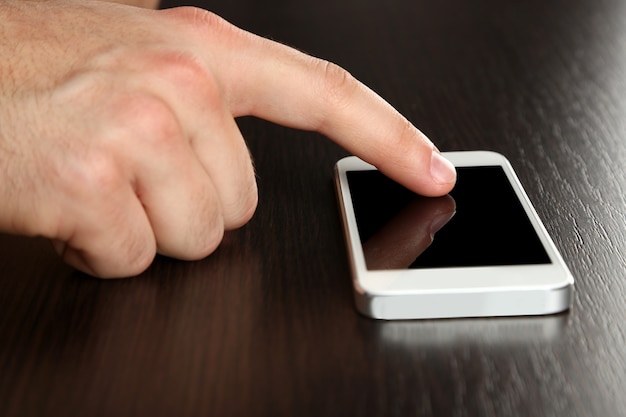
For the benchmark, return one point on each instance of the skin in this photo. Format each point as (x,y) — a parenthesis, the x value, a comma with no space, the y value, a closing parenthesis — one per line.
(117,131)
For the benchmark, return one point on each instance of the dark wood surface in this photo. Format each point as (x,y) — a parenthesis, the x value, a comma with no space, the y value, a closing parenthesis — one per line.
(266,325)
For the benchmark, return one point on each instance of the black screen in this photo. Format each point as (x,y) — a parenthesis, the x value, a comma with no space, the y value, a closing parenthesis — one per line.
(480,223)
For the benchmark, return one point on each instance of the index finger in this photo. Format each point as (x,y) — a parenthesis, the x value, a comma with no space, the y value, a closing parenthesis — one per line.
(277,83)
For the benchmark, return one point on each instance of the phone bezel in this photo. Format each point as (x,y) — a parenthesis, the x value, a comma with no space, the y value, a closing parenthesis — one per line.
(457,291)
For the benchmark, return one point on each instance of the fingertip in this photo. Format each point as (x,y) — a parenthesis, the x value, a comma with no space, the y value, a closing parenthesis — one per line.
(442,172)
(432,175)
(441,169)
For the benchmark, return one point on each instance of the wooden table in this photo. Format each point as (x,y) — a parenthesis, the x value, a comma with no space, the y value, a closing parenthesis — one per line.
(266,325)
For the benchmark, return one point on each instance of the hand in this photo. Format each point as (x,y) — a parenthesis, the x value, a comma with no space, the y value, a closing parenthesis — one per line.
(117,131)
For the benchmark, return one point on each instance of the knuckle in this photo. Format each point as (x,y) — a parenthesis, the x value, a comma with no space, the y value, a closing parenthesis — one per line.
(336,88)
(250,204)
(122,254)
(92,173)
(183,75)
(337,84)
(202,21)
(208,238)
(244,208)
(199,233)
(139,261)
(398,144)
(148,121)
(188,71)
(403,137)
(135,255)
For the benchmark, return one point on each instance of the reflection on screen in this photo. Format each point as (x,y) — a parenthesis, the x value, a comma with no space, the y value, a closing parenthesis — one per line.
(480,223)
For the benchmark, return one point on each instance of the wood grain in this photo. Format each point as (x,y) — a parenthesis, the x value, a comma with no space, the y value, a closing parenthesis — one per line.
(266,325)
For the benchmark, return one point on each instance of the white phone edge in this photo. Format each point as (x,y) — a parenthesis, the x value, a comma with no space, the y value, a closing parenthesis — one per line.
(441,293)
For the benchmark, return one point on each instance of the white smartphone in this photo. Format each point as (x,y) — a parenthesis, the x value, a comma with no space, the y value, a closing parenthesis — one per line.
(479,251)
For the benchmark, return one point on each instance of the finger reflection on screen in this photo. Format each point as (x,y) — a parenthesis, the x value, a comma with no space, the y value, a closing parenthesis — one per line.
(409,233)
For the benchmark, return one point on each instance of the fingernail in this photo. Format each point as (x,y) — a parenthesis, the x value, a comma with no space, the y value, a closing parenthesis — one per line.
(441,169)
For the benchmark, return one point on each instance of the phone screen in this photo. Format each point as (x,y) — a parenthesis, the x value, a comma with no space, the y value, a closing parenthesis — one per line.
(480,223)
